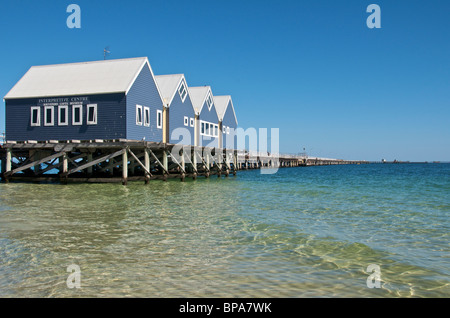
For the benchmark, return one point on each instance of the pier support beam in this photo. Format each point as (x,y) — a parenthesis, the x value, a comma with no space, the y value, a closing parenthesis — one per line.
(147,165)
(8,164)
(125,168)
(89,159)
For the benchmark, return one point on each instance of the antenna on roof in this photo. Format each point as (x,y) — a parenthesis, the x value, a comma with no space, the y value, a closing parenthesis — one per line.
(106,52)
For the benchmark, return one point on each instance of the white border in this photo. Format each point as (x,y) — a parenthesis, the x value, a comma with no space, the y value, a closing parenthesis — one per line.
(139,112)
(52,122)
(80,107)
(66,123)
(38,123)
(146,111)
(93,122)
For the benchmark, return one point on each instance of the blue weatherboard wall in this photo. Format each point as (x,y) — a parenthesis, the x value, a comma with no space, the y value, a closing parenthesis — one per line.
(144,93)
(110,119)
(209,116)
(229,121)
(177,111)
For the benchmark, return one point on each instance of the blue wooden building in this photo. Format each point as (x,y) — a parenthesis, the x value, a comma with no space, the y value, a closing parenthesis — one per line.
(227,121)
(178,109)
(106,100)
(207,121)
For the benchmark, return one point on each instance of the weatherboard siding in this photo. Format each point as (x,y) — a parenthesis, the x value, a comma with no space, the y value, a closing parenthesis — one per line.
(208,116)
(145,93)
(229,140)
(110,119)
(177,111)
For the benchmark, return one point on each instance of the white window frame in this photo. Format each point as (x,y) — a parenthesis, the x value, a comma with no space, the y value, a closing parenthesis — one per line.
(80,107)
(146,116)
(139,112)
(209,101)
(38,122)
(209,129)
(182,88)
(186,121)
(228,130)
(52,122)
(94,121)
(191,122)
(66,122)
(159,119)
(224,129)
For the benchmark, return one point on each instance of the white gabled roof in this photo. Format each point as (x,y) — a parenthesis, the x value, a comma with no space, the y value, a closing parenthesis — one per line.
(86,78)
(168,86)
(222,103)
(198,97)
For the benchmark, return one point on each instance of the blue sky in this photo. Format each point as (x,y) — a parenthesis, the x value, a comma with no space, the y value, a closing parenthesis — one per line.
(311,68)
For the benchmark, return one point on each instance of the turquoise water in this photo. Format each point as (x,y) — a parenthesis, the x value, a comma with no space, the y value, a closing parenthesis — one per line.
(303,232)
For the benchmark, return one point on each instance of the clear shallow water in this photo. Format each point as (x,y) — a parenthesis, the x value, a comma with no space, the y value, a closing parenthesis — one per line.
(304,232)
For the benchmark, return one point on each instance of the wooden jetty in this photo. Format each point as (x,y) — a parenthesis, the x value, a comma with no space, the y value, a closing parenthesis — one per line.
(130,160)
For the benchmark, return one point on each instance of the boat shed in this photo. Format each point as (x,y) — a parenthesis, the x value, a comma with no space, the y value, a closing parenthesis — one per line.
(107,100)
(227,121)
(178,109)
(207,129)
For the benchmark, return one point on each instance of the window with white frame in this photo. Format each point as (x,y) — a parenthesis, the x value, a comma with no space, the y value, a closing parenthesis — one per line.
(224,129)
(186,121)
(63,115)
(49,118)
(146,116)
(228,130)
(77,115)
(209,129)
(35,116)
(209,101)
(139,115)
(159,119)
(191,122)
(91,114)
(182,91)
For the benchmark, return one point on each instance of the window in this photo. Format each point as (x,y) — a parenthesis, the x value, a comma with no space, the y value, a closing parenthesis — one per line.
(159,118)
(224,130)
(228,130)
(77,118)
(182,91)
(63,117)
(208,129)
(192,122)
(209,101)
(139,115)
(146,116)
(186,121)
(49,115)
(35,116)
(91,114)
